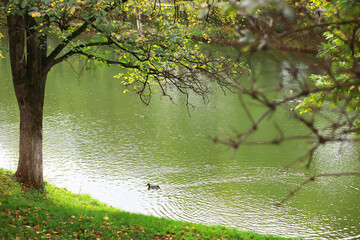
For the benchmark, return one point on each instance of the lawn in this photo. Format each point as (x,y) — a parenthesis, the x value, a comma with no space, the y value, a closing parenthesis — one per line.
(56,213)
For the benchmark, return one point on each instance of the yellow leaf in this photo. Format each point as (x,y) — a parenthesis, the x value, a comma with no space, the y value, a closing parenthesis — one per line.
(35,14)
(72,10)
(106,218)
(139,39)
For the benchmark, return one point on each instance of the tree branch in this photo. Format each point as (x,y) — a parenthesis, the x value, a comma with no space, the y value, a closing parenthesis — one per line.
(77,49)
(51,58)
(313,178)
(107,61)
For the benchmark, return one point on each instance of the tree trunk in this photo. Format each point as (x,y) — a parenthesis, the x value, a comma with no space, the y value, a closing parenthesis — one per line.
(27,52)
(30,167)
(138,20)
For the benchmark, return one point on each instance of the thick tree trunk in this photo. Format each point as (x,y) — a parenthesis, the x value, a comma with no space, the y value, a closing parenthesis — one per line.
(26,56)
(30,167)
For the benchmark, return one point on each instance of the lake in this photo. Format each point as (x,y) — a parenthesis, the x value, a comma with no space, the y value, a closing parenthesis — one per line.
(102,142)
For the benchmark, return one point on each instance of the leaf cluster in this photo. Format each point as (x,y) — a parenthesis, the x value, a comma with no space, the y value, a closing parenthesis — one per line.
(340,80)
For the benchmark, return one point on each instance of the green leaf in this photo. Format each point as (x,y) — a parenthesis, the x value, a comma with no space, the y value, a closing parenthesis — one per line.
(23,4)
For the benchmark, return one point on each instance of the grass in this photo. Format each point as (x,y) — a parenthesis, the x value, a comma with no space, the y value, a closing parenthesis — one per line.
(59,214)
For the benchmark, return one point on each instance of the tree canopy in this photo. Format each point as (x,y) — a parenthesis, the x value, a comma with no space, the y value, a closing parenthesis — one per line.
(104,31)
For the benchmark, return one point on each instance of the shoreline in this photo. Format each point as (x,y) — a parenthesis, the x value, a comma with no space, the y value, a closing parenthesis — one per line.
(57,213)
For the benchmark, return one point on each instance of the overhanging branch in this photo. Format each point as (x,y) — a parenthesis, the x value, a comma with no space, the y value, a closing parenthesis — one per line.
(51,58)
(78,49)
(107,61)
(313,178)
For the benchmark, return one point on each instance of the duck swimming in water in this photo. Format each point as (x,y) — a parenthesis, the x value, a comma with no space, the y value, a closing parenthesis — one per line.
(152,186)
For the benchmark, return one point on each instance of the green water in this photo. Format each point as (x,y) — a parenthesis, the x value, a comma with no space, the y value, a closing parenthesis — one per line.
(100,141)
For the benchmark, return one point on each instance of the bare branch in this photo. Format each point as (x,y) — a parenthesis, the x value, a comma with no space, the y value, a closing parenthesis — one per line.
(313,178)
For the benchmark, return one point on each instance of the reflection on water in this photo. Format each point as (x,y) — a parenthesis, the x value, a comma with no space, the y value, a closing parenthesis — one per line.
(100,141)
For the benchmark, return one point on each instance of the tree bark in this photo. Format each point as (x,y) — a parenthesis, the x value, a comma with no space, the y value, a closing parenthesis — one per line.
(138,20)
(27,53)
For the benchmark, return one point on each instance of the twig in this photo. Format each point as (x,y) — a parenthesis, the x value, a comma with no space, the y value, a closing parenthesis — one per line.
(313,178)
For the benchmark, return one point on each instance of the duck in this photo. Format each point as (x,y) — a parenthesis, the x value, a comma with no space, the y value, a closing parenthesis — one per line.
(150,186)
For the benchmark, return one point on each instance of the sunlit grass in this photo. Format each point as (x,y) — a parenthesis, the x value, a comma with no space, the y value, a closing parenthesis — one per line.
(59,214)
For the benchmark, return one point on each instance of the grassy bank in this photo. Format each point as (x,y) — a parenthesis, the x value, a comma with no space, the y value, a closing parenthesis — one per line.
(59,214)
